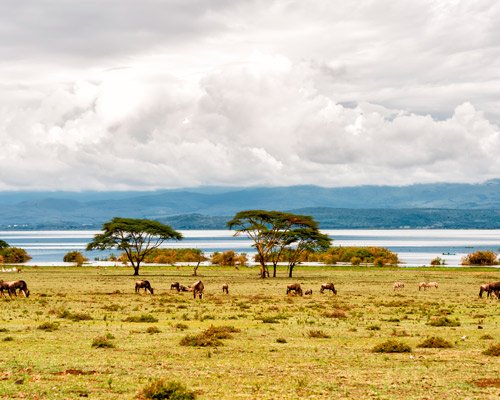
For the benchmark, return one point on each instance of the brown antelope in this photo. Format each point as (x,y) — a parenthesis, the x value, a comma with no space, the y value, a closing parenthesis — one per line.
(197,289)
(143,285)
(398,285)
(294,287)
(327,286)
(489,288)
(13,286)
(225,288)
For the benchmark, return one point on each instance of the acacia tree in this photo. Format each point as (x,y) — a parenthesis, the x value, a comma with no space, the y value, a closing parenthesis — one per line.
(266,229)
(136,237)
(301,240)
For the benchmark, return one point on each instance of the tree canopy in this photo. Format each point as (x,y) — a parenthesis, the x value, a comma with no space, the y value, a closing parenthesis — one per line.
(136,237)
(269,229)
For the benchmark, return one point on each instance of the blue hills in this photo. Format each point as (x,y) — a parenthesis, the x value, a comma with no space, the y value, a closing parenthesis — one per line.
(440,205)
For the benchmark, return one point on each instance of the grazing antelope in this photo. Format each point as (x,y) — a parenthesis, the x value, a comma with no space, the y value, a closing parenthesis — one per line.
(143,285)
(197,289)
(327,286)
(426,285)
(489,288)
(13,286)
(398,285)
(225,288)
(294,287)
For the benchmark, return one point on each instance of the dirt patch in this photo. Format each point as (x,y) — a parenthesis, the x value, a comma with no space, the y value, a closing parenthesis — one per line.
(487,382)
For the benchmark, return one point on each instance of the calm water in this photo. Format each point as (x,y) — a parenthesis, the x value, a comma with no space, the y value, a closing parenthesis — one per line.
(414,246)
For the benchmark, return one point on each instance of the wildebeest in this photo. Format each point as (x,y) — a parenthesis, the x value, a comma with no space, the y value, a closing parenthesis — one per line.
(327,286)
(308,292)
(13,286)
(398,285)
(225,288)
(426,285)
(197,289)
(294,287)
(143,285)
(489,288)
(175,286)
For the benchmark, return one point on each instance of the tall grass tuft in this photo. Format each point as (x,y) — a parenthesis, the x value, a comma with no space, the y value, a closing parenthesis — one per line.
(435,342)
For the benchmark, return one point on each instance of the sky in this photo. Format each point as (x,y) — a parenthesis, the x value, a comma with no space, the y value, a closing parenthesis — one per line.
(143,95)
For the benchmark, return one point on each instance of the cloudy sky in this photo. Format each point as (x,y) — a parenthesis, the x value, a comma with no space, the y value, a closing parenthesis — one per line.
(149,94)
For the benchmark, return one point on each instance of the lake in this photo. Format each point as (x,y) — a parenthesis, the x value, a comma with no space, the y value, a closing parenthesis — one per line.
(413,246)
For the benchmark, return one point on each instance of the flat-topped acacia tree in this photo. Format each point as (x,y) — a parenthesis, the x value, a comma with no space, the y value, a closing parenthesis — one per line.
(136,237)
(267,229)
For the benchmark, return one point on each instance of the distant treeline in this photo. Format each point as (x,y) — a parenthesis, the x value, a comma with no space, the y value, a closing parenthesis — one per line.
(328,218)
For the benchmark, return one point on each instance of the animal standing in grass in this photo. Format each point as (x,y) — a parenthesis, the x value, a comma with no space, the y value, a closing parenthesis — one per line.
(398,285)
(308,292)
(295,288)
(197,289)
(225,288)
(489,288)
(328,286)
(425,285)
(14,286)
(176,286)
(143,285)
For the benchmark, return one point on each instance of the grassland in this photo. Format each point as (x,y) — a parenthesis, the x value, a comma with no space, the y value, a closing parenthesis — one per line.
(278,347)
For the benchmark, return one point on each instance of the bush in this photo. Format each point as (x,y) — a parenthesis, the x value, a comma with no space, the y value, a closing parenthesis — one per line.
(76,257)
(14,255)
(435,342)
(336,313)
(102,342)
(437,261)
(480,258)
(78,316)
(48,326)
(210,337)
(392,346)
(280,340)
(153,329)
(318,334)
(486,337)
(443,321)
(159,389)
(141,318)
(493,350)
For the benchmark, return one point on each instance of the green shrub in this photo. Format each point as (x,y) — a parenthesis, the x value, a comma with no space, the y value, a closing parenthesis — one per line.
(102,342)
(437,261)
(181,326)
(159,389)
(48,326)
(336,313)
(392,346)
(493,350)
(435,342)
(141,318)
(153,329)
(76,257)
(486,337)
(480,258)
(443,321)
(210,337)
(14,255)
(373,327)
(8,339)
(318,334)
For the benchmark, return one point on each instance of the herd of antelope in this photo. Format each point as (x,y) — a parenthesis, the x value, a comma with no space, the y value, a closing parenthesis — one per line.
(14,287)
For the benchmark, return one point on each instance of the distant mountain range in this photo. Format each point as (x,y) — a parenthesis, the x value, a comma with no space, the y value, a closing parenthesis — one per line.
(415,206)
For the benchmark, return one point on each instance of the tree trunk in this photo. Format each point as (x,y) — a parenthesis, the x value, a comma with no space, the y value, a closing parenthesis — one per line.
(136,269)
(195,269)
(274,270)
(290,270)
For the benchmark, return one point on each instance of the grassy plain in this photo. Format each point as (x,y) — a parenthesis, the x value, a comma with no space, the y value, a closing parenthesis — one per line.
(314,347)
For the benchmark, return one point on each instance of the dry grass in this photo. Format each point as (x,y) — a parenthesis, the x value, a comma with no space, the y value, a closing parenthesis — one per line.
(253,355)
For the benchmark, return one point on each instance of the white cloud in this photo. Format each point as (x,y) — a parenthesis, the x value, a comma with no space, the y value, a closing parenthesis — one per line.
(248,93)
